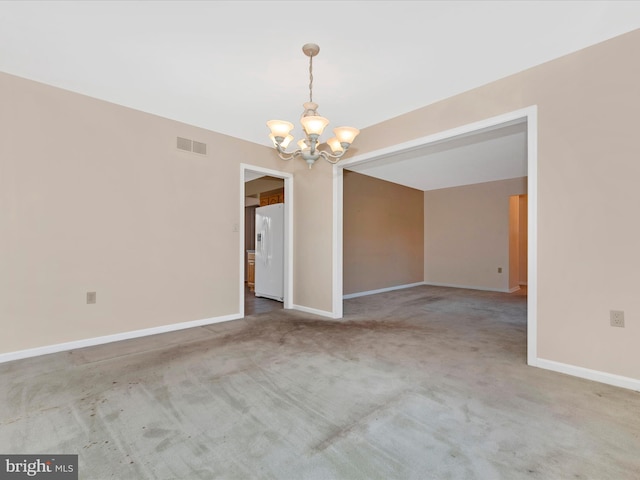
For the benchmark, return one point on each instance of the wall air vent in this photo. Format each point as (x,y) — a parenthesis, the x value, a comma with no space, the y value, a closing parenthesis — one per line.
(191,146)
(184,144)
(199,147)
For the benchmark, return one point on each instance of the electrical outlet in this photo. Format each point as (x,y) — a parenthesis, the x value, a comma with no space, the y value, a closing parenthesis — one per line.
(616,317)
(91,297)
(499,269)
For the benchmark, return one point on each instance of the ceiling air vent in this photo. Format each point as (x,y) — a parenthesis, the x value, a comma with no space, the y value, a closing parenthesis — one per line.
(191,146)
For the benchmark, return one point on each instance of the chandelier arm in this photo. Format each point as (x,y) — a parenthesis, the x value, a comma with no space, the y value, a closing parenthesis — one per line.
(289,157)
(335,155)
(284,155)
(329,157)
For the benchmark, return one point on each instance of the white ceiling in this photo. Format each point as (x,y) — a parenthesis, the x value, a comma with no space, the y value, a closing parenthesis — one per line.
(229,66)
(485,156)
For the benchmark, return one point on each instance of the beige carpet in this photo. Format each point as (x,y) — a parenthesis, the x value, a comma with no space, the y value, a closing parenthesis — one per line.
(423,383)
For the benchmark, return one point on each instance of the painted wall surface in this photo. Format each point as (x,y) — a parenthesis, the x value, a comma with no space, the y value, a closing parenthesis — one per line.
(588,171)
(383,234)
(313,236)
(466,234)
(96,197)
(262,184)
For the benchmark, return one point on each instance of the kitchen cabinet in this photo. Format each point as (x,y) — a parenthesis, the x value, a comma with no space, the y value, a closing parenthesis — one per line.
(251,269)
(272,197)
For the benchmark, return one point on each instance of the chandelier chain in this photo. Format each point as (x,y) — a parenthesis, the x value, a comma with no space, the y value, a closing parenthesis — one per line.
(311,78)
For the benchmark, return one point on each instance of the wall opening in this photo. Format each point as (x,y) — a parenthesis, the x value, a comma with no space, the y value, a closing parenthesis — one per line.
(528,117)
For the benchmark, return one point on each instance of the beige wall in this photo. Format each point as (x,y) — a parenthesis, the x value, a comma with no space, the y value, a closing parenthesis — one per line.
(466,234)
(383,234)
(262,184)
(313,235)
(588,173)
(95,197)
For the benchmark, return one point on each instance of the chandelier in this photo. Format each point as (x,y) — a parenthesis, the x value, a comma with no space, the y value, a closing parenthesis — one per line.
(313,126)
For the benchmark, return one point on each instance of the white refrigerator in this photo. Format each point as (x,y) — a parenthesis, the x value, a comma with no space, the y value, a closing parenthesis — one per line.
(269,266)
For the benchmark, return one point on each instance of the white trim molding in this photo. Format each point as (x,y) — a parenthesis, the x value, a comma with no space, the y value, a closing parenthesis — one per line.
(314,311)
(588,374)
(532,234)
(382,290)
(116,337)
(470,287)
(337,258)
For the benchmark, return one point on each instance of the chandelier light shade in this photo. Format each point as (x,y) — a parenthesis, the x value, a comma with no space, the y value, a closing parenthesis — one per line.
(279,128)
(313,126)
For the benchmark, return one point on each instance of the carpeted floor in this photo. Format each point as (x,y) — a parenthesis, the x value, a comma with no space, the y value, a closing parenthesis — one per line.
(422,383)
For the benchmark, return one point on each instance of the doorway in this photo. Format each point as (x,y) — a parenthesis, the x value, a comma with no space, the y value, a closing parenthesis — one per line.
(260,186)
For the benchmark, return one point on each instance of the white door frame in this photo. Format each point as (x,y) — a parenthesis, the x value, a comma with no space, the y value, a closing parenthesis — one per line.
(528,114)
(288,231)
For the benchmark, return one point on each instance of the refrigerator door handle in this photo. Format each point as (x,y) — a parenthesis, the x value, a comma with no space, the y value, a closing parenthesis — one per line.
(264,241)
(269,242)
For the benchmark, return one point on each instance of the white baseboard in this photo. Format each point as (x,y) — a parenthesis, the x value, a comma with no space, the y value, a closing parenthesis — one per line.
(381,290)
(595,375)
(314,311)
(514,289)
(469,287)
(90,342)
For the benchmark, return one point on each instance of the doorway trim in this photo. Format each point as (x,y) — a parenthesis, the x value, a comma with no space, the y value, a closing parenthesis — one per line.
(288,231)
(528,115)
